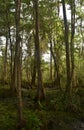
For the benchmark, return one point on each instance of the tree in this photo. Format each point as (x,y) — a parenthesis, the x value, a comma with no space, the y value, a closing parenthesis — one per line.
(66,37)
(17,64)
(72,40)
(40,91)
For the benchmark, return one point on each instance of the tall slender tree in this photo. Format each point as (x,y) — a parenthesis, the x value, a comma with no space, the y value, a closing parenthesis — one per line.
(72,39)
(40,91)
(66,37)
(50,61)
(5,62)
(17,64)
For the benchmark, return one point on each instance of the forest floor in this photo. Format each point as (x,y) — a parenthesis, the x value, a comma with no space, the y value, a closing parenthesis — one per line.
(52,115)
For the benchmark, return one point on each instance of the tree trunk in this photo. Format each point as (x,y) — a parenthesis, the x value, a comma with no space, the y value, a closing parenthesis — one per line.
(68,84)
(40,90)
(5,62)
(11,60)
(50,61)
(57,73)
(17,63)
(72,40)
(34,72)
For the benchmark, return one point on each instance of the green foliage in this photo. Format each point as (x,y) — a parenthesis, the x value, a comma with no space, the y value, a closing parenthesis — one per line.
(32,121)
(52,111)
(7,114)
(80,74)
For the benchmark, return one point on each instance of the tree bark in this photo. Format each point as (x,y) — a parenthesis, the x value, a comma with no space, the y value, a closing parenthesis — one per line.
(5,62)
(34,72)
(68,84)
(50,61)
(40,90)
(17,62)
(57,73)
(72,40)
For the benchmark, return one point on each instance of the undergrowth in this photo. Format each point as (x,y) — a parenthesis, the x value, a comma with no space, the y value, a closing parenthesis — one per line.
(52,116)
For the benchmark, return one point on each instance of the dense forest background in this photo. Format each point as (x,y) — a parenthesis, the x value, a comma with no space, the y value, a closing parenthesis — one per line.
(41,63)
